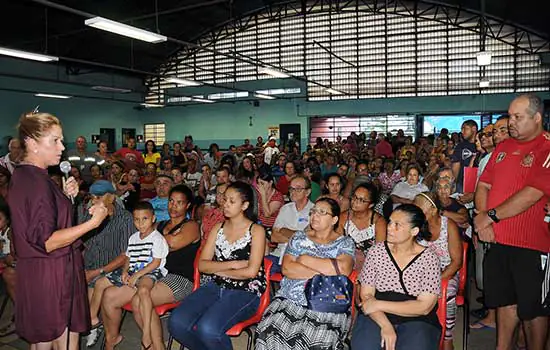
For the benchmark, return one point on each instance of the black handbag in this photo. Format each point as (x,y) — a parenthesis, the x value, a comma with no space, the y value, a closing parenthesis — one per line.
(329,293)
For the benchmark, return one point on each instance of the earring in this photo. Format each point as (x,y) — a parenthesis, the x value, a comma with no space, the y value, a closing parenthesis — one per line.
(35,151)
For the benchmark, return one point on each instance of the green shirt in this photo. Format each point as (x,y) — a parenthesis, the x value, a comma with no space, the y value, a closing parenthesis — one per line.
(315,191)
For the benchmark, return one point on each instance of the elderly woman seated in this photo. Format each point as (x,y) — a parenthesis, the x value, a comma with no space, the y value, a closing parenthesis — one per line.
(404,192)
(288,323)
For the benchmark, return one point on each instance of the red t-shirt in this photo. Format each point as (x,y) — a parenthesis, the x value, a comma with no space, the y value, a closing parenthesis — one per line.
(130,155)
(513,166)
(383,148)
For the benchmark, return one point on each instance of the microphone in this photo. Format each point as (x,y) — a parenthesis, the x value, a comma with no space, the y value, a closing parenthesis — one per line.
(65,167)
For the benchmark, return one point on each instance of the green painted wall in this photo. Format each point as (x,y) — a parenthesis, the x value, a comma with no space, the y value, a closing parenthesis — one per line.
(228,123)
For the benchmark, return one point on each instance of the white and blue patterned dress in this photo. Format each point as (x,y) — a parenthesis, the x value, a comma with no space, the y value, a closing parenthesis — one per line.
(288,323)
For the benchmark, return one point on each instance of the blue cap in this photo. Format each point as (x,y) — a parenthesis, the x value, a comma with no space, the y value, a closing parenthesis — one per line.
(100,187)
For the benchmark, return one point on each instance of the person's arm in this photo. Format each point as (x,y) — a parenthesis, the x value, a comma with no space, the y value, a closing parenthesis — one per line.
(368,292)
(257,252)
(207,265)
(396,199)
(157,159)
(281,235)
(292,269)
(325,266)
(188,233)
(460,217)
(65,237)
(117,262)
(455,167)
(380,228)
(422,306)
(481,195)
(519,202)
(268,207)
(455,251)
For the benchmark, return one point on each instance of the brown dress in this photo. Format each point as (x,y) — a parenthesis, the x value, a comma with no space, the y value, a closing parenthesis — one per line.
(47,283)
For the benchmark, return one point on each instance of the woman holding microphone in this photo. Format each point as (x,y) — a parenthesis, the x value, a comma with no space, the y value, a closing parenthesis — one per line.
(51,306)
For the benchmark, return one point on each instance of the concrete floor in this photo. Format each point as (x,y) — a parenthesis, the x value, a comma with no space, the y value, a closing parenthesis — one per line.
(478,339)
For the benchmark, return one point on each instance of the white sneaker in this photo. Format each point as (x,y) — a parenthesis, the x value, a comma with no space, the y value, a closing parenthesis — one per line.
(92,338)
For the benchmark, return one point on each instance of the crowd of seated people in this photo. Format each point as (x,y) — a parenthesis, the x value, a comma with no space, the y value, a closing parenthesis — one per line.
(382,205)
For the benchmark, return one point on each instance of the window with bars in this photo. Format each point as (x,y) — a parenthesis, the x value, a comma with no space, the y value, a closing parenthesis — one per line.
(331,127)
(366,54)
(155,132)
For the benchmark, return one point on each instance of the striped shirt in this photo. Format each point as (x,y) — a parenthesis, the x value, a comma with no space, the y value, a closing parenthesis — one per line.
(142,251)
(109,240)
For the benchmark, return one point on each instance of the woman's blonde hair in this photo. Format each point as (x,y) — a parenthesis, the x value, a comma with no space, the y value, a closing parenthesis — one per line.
(34,125)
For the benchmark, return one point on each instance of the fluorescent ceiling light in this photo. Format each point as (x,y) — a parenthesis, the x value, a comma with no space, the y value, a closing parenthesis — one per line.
(183,82)
(484,58)
(484,83)
(125,30)
(203,100)
(110,89)
(279,91)
(273,72)
(225,95)
(267,97)
(27,55)
(334,91)
(152,105)
(52,96)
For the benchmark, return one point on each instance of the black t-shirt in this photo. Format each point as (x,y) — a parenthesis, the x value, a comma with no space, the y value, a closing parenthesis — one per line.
(464,151)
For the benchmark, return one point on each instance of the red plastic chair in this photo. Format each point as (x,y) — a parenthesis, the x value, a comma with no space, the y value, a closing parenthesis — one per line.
(161,310)
(237,329)
(442,310)
(265,299)
(462,294)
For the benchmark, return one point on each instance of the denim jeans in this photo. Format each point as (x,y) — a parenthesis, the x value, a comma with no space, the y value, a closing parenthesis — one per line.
(201,320)
(412,335)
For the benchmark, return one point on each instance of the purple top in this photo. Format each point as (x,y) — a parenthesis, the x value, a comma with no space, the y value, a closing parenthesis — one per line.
(47,283)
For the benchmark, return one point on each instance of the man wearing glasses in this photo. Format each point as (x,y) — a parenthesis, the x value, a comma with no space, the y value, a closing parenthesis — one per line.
(292,217)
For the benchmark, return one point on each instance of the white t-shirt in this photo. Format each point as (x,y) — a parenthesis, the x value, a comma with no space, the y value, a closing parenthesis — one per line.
(404,190)
(268,154)
(4,238)
(192,181)
(141,252)
(290,218)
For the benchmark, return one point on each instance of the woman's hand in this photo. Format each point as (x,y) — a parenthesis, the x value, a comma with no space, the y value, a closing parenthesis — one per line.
(369,306)
(133,280)
(389,338)
(70,187)
(99,212)
(125,278)
(239,264)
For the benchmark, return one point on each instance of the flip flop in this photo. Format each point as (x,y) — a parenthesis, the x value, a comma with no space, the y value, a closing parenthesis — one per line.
(481,325)
(146,347)
(97,325)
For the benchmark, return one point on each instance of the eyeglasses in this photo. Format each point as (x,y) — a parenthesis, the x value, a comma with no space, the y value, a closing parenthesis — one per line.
(359,199)
(296,189)
(319,211)
(487,134)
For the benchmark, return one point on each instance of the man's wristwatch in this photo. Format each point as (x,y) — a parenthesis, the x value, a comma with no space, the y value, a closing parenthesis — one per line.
(102,272)
(492,213)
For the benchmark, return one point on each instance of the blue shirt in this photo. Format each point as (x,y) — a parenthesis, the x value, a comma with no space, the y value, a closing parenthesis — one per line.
(160,205)
(300,244)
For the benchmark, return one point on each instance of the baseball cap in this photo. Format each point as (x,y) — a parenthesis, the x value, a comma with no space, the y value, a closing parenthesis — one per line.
(100,187)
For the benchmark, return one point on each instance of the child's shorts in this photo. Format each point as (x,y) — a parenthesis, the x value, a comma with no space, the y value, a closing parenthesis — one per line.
(115,277)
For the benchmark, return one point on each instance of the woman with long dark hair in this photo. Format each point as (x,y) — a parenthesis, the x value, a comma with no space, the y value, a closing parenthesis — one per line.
(150,155)
(233,254)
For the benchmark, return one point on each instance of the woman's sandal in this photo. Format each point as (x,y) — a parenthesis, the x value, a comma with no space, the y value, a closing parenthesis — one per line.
(146,347)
